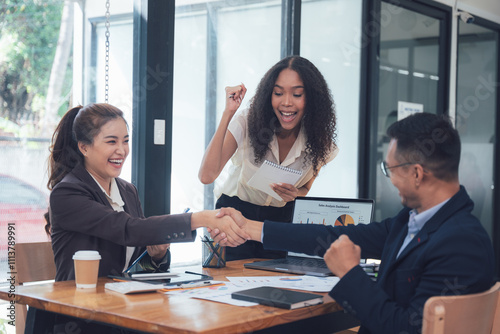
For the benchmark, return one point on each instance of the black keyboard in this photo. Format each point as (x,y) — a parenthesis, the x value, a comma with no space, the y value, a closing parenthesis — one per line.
(310,262)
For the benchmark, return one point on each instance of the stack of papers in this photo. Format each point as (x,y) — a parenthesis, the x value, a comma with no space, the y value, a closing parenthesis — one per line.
(218,293)
(222,293)
(305,282)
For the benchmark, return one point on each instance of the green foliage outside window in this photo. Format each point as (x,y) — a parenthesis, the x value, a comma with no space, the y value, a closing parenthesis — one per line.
(29,31)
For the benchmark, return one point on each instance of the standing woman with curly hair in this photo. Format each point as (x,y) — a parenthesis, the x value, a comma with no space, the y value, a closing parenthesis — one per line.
(291,122)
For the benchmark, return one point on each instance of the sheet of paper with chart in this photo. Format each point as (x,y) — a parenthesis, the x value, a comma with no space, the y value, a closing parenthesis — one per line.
(216,293)
(222,293)
(268,173)
(306,283)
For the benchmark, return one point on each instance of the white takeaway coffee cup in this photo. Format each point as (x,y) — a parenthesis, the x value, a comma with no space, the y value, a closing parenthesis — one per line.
(86,268)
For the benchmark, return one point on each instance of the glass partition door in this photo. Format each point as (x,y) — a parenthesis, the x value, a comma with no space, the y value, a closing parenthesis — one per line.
(330,39)
(476,116)
(410,77)
(216,45)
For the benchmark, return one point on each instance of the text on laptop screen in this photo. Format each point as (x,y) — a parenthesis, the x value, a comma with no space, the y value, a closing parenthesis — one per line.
(331,211)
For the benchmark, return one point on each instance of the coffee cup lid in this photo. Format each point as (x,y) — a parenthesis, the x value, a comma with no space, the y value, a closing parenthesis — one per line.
(87,255)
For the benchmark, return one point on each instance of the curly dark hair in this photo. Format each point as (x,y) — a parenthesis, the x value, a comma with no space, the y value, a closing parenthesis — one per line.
(319,113)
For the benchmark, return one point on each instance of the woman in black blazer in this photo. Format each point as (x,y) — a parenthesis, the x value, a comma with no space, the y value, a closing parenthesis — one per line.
(91,208)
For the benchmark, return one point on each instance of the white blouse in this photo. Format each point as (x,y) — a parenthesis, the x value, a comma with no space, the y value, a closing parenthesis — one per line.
(117,203)
(233,181)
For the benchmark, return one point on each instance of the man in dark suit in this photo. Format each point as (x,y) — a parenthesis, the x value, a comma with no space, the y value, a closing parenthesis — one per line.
(434,246)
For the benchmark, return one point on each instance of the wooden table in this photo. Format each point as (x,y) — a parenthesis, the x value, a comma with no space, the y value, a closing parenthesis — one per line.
(160,313)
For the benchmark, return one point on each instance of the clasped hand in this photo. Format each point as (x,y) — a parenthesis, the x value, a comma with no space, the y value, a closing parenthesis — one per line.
(227,229)
(220,236)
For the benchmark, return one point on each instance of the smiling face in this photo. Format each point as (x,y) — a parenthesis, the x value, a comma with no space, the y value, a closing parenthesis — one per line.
(289,99)
(104,159)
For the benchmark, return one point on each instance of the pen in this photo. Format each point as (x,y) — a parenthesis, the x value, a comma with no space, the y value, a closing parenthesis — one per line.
(190,287)
(136,260)
(144,253)
(193,273)
(194,284)
(211,255)
(215,251)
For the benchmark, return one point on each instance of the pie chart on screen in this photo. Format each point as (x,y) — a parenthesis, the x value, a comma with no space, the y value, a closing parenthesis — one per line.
(344,220)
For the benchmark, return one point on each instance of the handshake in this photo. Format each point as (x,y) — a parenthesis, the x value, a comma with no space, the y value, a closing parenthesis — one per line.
(227,226)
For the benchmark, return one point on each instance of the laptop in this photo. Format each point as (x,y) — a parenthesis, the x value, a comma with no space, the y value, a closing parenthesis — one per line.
(318,210)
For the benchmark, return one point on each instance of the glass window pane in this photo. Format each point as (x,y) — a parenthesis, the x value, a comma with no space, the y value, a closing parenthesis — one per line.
(476,115)
(330,38)
(247,43)
(409,63)
(260,27)
(120,73)
(30,103)
(188,121)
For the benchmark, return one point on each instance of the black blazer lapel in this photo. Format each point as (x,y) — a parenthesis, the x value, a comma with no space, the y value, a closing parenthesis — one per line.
(457,201)
(388,260)
(416,242)
(81,173)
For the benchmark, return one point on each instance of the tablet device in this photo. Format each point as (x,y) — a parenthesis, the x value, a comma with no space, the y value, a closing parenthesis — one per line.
(147,276)
(181,278)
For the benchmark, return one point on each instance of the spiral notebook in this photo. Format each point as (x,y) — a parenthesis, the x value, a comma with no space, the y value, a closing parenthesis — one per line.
(268,173)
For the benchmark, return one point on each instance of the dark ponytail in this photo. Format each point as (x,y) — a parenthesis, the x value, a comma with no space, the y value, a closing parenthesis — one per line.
(64,152)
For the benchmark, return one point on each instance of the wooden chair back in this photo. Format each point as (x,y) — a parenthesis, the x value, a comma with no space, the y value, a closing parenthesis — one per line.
(496,320)
(34,262)
(473,313)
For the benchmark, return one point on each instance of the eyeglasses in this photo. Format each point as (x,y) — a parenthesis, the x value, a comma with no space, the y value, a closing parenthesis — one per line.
(385,169)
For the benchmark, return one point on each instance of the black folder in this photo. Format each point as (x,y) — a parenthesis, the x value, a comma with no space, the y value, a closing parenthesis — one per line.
(277,297)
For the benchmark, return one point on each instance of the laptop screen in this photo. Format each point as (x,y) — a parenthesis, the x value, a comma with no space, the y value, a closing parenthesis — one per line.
(331,211)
